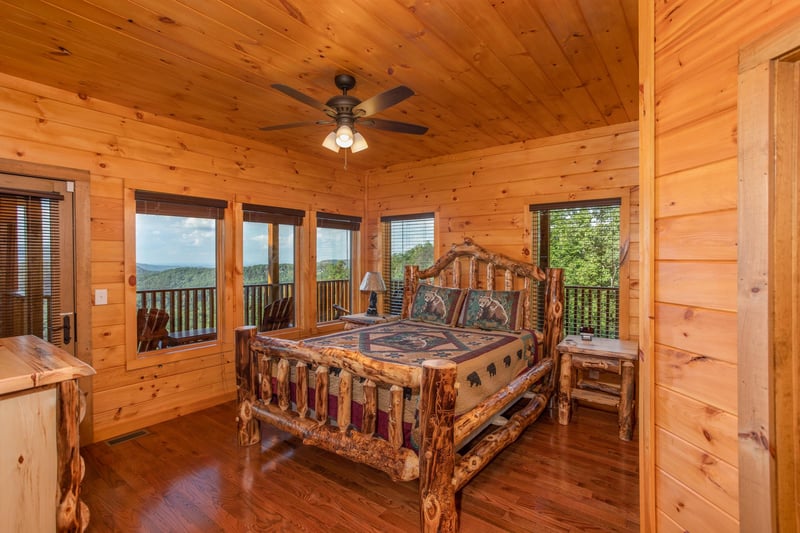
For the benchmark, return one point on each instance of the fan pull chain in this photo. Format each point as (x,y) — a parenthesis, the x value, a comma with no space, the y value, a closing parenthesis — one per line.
(345,158)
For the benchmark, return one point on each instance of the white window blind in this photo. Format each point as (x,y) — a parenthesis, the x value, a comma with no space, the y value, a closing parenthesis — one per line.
(407,240)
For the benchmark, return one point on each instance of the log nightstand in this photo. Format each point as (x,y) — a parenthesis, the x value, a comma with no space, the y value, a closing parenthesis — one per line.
(360,320)
(604,355)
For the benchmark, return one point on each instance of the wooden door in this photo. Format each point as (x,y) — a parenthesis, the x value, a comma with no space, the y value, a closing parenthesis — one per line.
(37,281)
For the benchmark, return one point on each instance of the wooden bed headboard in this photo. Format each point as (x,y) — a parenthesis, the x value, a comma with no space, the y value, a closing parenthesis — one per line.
(490,271)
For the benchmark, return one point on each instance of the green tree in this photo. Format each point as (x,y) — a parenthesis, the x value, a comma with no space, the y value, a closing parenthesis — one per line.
(333,269)
(585,242)
(420,255)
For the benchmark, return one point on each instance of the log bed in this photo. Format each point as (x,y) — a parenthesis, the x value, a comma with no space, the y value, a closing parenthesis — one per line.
(274,375)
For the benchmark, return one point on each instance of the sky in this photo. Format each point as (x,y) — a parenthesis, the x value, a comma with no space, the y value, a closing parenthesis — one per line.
(185,241)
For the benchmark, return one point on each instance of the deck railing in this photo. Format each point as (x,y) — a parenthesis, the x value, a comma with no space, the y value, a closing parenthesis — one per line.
(330,293)
(195,307)
(189,308)
(596,307)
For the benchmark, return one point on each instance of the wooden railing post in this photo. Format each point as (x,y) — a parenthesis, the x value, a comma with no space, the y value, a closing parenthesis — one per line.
(249,427)
(437,450)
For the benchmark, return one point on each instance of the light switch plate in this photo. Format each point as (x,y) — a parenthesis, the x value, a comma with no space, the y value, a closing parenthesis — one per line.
(100,296)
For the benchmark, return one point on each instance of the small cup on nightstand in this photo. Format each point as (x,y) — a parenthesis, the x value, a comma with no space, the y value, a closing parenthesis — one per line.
(586,333)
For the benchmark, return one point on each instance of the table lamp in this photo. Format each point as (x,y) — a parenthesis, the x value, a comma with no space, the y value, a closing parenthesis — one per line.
(372,282)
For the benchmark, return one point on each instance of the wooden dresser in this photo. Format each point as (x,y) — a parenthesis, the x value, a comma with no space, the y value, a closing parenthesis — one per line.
(40,465)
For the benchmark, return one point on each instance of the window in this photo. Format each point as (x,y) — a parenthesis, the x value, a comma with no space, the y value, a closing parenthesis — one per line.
(335,244)
(407,240)
(583,239)
(268,247)
(177,276)
(30,269)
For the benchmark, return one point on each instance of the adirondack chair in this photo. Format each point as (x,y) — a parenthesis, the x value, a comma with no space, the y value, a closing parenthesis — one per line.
(278,314)
(151,327)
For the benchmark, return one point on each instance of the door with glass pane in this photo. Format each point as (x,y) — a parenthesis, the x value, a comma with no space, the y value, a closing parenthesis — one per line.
(37,295)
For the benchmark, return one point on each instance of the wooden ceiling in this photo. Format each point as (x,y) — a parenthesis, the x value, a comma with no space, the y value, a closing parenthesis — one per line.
(485,72)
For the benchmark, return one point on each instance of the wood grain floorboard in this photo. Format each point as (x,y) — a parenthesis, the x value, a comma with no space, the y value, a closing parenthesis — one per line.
(189,475)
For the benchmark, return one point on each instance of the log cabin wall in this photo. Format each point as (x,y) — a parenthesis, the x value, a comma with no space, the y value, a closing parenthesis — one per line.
(486,194)
(695,256)
(124,148)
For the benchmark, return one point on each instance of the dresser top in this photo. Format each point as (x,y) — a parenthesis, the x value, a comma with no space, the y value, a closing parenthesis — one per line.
(27,362)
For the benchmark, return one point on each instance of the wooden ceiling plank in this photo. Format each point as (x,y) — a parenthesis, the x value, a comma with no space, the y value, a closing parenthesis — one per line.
(485,22)
(606,21)
(143,26)
(566,22)
(533,32)
(89,46)
(451,24)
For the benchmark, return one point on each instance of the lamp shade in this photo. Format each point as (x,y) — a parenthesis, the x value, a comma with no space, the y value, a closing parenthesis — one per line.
(359,143)
(372,282)
(330,142)
(344,136)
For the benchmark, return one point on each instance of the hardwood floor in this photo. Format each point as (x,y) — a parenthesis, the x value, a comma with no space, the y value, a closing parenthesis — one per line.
(189,475)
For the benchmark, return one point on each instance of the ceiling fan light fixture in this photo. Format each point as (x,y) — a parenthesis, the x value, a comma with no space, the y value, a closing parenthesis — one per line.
(330,142)
(344,136)
(359,143)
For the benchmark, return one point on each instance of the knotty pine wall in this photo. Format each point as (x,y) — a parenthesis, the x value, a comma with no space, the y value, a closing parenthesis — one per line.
(486,194)
(696,58)
(121,148)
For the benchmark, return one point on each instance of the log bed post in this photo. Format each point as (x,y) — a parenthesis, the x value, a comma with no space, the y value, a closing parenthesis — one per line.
(553,319)
(437,450)
(249,428)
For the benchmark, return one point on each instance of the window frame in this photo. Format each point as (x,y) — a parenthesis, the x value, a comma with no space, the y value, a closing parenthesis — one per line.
(136,360)
(323,219)
(623,196)
(385,256)
(276,215)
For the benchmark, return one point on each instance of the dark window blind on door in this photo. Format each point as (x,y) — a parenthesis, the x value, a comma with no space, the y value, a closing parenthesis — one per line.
(30,289)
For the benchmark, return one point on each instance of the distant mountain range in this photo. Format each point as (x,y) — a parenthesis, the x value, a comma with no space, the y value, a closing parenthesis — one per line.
(154,277)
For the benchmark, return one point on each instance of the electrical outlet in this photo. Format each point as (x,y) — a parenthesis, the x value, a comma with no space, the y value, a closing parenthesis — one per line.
(100,296)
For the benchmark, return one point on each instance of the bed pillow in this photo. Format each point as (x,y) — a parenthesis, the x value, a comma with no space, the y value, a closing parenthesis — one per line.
(493,310)
(437,305)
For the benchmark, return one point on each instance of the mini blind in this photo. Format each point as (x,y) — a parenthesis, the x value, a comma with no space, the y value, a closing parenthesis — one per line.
(407,240)
(583,239)
(30,289)
(272,215)
(333,221)
(154,203)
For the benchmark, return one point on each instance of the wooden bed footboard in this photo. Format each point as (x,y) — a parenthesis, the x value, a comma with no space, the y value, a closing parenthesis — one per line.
(264,365)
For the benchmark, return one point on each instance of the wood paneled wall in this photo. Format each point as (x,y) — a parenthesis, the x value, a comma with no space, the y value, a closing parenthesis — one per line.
(486,194)
(124,148)
(695,196)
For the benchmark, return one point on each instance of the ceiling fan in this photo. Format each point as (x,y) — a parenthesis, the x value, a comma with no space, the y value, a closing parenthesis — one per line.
(346,112)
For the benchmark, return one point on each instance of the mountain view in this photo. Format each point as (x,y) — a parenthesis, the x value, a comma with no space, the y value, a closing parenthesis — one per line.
(153,277)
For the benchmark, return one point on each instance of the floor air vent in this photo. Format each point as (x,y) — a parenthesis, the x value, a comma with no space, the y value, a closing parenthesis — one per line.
(128,436)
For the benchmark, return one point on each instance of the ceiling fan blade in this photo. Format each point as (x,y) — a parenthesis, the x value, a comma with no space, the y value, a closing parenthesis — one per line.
(381,101)
(297,95)
(297,125)
(391,125)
